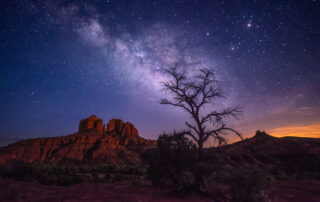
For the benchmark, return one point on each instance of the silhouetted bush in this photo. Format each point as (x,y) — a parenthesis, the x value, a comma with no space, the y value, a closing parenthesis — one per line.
(173,162)
(19,171)
(245,184)
(65,180)
(237,183)
(64,175)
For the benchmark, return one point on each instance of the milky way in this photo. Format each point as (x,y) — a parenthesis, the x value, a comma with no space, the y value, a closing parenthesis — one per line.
(62,61)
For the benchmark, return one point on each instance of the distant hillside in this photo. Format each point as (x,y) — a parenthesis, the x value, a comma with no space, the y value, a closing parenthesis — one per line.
(119,143)
(291,154)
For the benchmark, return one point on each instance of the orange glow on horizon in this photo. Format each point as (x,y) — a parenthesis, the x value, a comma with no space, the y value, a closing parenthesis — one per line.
(298,131)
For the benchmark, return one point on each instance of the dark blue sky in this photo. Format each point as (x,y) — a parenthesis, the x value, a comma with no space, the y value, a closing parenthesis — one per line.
(61,61)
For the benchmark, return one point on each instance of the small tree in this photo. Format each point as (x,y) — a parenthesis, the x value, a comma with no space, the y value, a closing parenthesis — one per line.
(193,94)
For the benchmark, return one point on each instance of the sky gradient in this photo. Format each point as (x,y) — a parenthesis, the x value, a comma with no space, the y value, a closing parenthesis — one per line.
(62,61)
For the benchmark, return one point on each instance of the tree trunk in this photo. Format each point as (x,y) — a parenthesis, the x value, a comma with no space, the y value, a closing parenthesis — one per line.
(198,169)
(200,150)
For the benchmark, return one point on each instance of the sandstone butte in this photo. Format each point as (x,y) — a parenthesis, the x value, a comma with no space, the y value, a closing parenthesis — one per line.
(118,143)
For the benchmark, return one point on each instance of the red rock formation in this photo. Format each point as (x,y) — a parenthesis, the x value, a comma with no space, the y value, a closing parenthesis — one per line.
(115,125)
(129,130)
(91,123)
(119,144)
(124,129)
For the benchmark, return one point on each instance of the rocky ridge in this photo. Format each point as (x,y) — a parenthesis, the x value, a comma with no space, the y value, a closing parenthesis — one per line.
(119,143)
(268,152)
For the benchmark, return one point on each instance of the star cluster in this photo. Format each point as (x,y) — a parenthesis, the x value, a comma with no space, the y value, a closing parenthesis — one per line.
(62,61)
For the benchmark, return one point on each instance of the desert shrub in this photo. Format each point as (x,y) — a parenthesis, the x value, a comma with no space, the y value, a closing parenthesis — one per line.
(282,173)
(132,170)
(47,179)
(65,180)
(107,176)
(115,177)
(78,179)
(19,171)
(237,183)
(67,174)
(246,184)
(138,181)
(85,168)
(173,162)
(95,177)
(104,168)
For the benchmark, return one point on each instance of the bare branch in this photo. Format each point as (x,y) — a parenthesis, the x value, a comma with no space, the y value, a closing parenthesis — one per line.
(216,132)
(167,102)
(191,135)
(236,132)
(192,127)
(217,117)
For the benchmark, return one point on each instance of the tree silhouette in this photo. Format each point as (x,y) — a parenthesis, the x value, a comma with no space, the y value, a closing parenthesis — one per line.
(194,93)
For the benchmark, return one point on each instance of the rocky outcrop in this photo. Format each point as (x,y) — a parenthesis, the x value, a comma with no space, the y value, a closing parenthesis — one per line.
(124,129)
(120,143)
(262,136)
(129,130)
(115,125)
(91,123)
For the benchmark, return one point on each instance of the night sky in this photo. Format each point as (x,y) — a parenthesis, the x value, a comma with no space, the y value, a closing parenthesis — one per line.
(62,61)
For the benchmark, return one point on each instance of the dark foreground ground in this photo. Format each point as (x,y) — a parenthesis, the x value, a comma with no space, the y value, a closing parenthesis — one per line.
(10,190)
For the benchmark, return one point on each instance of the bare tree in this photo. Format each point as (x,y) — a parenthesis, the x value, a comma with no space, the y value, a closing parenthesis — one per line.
(193,94)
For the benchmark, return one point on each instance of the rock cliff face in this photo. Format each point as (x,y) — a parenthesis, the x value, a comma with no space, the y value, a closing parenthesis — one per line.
(115,125)
(120,143)
(124,129)
(91,123)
